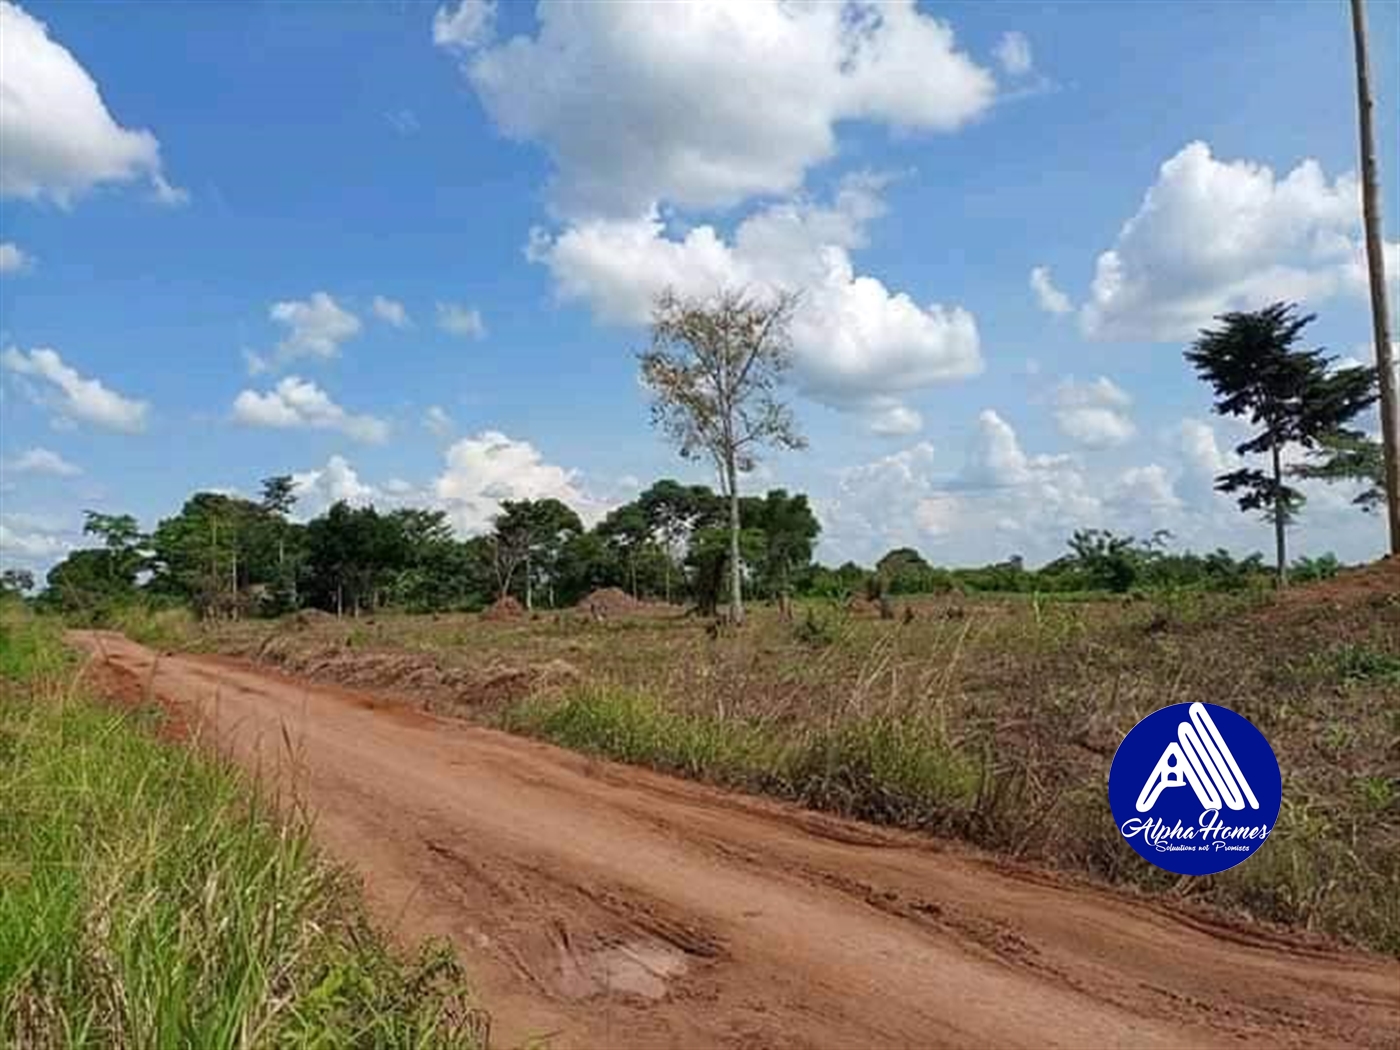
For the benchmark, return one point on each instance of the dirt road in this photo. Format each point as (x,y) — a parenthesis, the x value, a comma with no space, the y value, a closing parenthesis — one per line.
(599,906)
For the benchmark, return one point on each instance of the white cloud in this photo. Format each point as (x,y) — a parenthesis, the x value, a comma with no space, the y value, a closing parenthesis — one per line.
(1212,236)
(390,311)
(14,259)
(706,105)
(315,327)
(30,546)
(461,321)
(858,345)
(72,396)
(489,467)
(996,459)
(42,461)
(318,488)
(438,421)
(1196,441)
(298,403)
(469,26)
(404,121)
(890,502)
(1013,52)
(894,420)
(1094,414)
(59,139)
(1050,298)
(1148,487)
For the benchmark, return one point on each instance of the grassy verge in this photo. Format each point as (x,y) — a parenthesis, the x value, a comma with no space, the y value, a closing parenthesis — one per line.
(150,897)
(890,770)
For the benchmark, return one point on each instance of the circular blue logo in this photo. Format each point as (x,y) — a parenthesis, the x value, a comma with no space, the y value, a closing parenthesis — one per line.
(1195,788)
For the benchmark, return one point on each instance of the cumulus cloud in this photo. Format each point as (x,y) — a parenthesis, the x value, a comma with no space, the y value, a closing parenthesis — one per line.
(1050,298)
(894,420)
(71,396)
(315,327)
(29,546)
(299,403)
(42,461)
(488,467)
(879,505)
(59,139)
(1000,500)
(14,259)
(437,420)
(318,488)
(1147,487)
(1013,52)
(462,321)
(469,25)
(859,346)
(706,105)
(390,311)
(1094,414)
(1213,235)
(1197,444)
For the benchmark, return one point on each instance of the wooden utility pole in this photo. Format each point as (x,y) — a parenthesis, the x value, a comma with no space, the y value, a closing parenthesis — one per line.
(1375,260)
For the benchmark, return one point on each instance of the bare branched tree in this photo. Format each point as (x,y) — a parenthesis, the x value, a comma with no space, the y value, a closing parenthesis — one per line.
(714,368)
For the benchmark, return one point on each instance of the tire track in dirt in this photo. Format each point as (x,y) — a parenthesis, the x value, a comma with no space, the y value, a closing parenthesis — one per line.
(600,906)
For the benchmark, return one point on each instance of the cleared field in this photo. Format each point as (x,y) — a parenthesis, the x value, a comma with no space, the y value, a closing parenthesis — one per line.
(600,905)
(994,721)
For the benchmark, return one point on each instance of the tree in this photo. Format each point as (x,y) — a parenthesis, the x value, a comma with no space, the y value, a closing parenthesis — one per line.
(279,494)
(353,553)
(123,540)
(90,583)
(713,369)
(790,531)
(1253,363)
(627,531)
(531,534)
(1114,563)
(673,511)
(278,498)
(1348,455)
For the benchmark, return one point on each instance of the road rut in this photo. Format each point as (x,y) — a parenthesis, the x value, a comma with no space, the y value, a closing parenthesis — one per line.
(600,906)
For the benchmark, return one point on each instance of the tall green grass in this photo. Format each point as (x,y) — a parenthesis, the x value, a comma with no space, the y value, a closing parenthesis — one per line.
(151,897)
(894,770)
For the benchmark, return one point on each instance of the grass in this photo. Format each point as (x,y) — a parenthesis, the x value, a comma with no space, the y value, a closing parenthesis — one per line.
(151,897)
(992,720)
(894,771)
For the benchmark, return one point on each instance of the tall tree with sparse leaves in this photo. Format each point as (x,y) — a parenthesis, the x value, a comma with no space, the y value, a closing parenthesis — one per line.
(1291,395)
(714,368)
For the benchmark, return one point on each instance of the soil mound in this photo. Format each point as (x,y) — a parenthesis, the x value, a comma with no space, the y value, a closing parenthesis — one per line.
(419,677)
(504,608)
(1367,586)
(305,618)
(611,601)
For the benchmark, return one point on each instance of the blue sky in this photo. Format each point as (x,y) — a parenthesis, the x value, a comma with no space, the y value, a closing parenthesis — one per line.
(404,251)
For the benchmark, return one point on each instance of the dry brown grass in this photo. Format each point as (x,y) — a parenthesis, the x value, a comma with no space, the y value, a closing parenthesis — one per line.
(995,720)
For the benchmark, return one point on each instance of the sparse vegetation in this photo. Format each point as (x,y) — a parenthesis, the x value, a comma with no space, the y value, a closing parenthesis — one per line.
(993,718)
(151,897)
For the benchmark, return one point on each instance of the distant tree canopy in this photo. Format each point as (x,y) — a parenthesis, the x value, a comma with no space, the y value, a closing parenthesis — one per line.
(226,556)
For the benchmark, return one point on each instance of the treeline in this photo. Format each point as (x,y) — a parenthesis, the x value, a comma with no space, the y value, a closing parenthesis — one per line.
(227,557)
